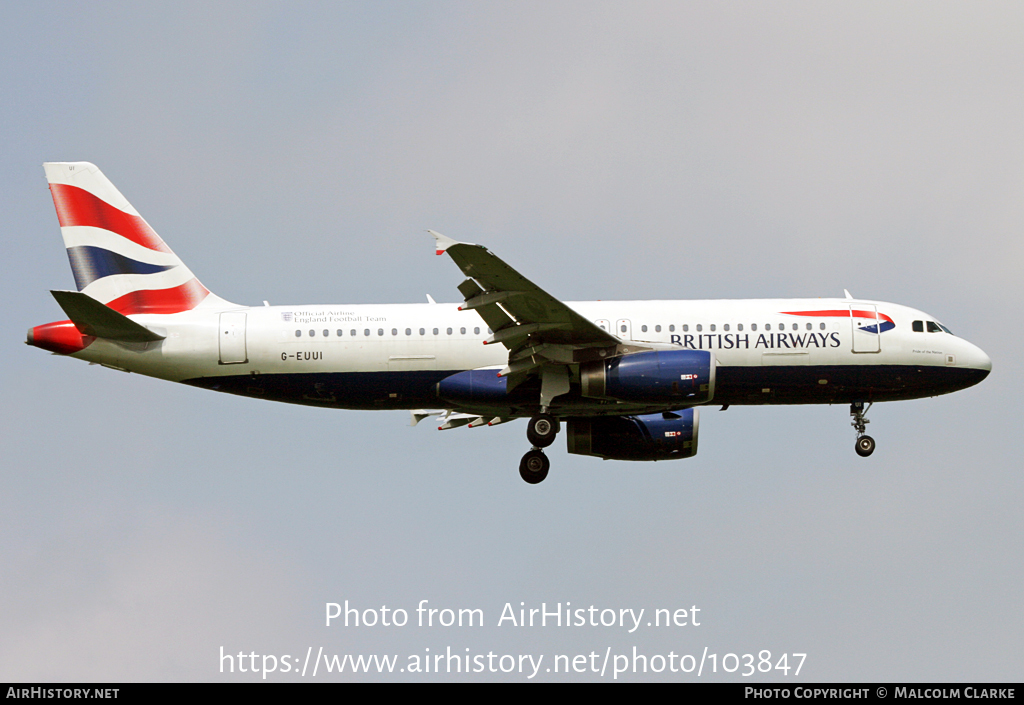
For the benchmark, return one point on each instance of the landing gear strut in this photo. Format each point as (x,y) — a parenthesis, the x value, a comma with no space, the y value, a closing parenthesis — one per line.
(865,444)
(541,433)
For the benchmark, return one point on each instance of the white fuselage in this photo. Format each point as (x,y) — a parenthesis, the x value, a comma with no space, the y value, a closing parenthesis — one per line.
(316,342)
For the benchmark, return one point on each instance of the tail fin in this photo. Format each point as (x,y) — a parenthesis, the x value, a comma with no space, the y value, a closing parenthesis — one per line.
(115,256)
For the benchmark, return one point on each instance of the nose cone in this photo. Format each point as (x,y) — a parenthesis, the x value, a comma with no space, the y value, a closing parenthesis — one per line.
(977,359)
(975,362)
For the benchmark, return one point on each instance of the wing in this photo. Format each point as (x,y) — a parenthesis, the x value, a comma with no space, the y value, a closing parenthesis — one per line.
(538,329)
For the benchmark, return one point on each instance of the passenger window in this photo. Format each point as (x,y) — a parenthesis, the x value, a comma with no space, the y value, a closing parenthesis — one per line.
(739,327)
(366,331)
(623,329)
(353,332)
(712,327)
(339,332)
(795,327)
(423,331)
(657,329)
(435,331)
(476,331)
(686,328)
(933,327)
(672,328)
(298,334)
(821,325)
(408,331)
(394,331)
(327,333)
(699,327)
(726,327)
(809,326)
(767,326)
(643,329)
(753,327)
(380,331)
(917,326)
(312,334)
(449,331)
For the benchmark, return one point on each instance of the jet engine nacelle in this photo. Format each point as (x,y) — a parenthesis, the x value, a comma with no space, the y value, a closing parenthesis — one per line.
(671,376)
(664,436)
(480,386)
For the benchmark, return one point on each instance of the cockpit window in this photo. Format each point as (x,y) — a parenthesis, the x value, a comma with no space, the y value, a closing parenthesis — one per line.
(933,327)
(946,329)
(918,326)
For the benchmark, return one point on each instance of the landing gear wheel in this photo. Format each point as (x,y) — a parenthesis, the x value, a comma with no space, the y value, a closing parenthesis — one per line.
(534,466)
(865,446)
(542,430)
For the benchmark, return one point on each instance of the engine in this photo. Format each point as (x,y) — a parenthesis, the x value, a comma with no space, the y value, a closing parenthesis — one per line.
(481,386)
(671,376)
(664,436)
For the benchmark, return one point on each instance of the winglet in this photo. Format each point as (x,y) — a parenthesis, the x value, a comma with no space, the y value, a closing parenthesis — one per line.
(443,243)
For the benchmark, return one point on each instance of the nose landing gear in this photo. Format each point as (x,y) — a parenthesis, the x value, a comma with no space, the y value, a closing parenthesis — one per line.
(541,433)
(865,445)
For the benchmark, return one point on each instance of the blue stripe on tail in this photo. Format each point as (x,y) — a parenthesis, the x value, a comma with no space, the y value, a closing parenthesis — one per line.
(91,263)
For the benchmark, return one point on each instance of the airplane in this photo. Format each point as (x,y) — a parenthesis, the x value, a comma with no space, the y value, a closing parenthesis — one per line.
(626,378)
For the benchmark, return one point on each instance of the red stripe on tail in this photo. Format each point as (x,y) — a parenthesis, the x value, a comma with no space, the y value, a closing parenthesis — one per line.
(181,298)
(76,206)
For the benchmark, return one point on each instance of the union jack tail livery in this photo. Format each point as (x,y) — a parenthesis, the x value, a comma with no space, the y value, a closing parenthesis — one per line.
(115,256)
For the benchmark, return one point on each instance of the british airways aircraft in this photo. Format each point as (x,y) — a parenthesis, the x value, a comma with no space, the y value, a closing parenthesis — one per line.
(625,377)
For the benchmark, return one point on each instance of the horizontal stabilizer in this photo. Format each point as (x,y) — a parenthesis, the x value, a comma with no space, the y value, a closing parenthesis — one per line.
(94,318)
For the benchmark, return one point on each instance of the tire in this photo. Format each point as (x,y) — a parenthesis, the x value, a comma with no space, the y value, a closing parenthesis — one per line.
(534,467)
(542,430)
(865,446)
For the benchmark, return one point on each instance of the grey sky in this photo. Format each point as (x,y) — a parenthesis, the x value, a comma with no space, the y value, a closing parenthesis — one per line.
(607,150)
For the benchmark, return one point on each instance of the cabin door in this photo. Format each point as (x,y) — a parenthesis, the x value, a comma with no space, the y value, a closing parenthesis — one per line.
(232,338)
(865,326)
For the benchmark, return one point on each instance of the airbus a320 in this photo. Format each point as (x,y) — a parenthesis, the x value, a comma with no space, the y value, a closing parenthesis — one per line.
(626,379)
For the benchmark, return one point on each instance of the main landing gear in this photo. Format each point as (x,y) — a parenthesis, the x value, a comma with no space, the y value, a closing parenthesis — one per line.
(865,444)
(541,433)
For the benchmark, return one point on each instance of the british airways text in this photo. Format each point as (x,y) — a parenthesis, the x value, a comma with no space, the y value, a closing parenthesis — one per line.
(771,341)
